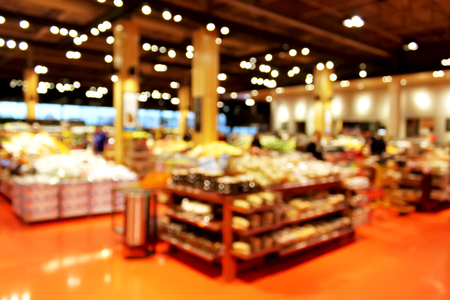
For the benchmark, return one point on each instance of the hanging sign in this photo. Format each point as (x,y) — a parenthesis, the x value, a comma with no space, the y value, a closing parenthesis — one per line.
(198,114)
(130,108)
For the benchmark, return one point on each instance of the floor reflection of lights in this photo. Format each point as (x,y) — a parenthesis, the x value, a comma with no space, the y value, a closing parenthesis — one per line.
(25,296)
(75,260)
(73,281)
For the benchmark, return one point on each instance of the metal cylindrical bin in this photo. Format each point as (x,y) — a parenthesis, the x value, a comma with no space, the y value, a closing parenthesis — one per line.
(137,219)
(139,216)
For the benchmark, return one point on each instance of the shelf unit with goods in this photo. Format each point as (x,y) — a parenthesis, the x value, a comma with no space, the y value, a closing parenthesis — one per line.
(238,234)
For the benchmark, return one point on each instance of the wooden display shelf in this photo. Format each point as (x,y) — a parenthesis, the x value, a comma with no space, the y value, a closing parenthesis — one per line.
(232,260)
(256,254)
(315,242)
(316,214)
(197,194)
(249,211)
(215,226)
(291,189)
(303,218)
(208,257)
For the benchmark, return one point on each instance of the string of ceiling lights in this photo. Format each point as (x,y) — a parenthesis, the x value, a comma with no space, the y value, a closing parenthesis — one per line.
(353,22)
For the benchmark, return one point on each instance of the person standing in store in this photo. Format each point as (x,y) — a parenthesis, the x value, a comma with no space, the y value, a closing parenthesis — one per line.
(100,140)
(256,142)
(314,147)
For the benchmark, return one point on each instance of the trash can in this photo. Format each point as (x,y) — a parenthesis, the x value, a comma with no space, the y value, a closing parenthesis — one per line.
(139,222)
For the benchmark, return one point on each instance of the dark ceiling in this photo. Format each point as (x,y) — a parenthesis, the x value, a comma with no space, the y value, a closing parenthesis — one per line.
(257,27)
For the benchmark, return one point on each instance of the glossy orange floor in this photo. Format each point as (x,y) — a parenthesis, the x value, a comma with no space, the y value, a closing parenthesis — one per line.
(393,258)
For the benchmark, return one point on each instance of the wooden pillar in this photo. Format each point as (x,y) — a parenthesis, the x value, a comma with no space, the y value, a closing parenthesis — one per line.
(126,64)
(393,91)
(205,68)
(323,89)
(30,94)
(184,94)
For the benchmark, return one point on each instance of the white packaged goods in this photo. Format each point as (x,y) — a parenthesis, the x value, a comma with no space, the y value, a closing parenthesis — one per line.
(67,185)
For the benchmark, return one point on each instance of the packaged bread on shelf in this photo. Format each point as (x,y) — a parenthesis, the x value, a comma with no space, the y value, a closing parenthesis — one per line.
(240,223)
(242,247)
(268,197)
(241,203)
(256,243)
(300,205)
(255,200)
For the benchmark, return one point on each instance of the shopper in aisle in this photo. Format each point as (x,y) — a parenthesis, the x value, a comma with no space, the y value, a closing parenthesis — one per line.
(100,140)
(188,135)
(377,146)
(314,147)
(256,142)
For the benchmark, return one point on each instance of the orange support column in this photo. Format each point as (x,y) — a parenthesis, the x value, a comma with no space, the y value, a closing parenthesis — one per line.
(324,91)
(31,97)
(126,63)
(393,126)
(205,68)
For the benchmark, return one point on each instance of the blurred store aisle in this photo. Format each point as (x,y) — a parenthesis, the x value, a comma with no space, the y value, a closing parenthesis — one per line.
(393,258)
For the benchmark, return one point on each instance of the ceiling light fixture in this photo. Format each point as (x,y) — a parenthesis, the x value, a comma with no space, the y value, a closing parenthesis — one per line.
(94,31)
(268,57)
(250,102)
(118,3)
(292,52)
(222,76)
(63,31)
(110,40)
(11,44)
(23,46)
(77,41)
(305,51)
(108,58)
(177,18)
(345,83)
(355,21)
(73,33)
(330,65)
(24,24)
(233,95)
(146,10)
(172,53)
(166,15)
(160,68)
(54,30)
(320,66)
(224,30)
(362,73)
(210,27)
(107,24)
